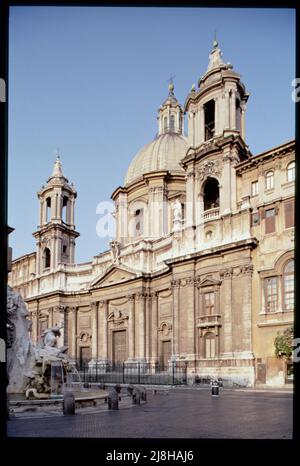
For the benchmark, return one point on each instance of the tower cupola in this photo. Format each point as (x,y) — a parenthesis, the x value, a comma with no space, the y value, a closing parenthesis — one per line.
(170,115)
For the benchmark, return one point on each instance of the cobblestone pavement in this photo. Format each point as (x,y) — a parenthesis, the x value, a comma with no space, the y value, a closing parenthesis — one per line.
(174,414)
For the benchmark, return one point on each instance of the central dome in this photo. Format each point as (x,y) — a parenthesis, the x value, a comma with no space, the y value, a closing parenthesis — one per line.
(164,153)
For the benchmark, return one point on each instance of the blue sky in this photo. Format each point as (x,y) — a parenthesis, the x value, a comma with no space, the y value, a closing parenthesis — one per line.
(89,81)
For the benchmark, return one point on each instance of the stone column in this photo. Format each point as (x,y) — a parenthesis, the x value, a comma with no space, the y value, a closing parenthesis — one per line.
(105,330)
(72,332)
(123,217)
(232,111)
(175,284)
(243,124)
(50,312)
(154,327)
(131,328)
(141,319)
(34,331)
(217,123)
(247,272)
(148,325)
(39,259)
(42,207)
(226,290)
(190,197)
(94,307)
(225,192)
(227,114)
(201,124)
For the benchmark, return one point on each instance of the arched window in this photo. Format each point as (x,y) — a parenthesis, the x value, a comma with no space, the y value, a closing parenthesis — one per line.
(288,286)
(210,345)
(290,171)
(47,258)
(172,123)
(211,194)
(48,209)
(139,221)
(64,209)
(209,119)
(269,180)
(165,123)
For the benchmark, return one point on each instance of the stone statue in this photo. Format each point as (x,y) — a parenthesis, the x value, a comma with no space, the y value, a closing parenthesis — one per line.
(115,251)
(20,349)
(177,215)
(50,335)
(30,368)
(177,210)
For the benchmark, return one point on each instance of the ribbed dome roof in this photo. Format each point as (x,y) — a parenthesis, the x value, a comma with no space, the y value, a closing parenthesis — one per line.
(164,153)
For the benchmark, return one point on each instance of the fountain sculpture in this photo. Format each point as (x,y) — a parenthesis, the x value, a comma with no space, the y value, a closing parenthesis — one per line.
(38,371)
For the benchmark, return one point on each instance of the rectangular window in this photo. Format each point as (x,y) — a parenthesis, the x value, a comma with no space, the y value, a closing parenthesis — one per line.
(270,220)
(288,283)
(289,214)
(209,303)
(254,188)
(255,219)
(271,294)
(269,180)
(210,347)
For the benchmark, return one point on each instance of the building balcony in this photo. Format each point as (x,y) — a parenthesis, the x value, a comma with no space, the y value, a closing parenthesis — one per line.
(209,320)
(210,214)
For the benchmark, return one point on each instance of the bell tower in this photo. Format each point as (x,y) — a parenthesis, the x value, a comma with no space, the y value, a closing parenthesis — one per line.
(217,108)
(56,234)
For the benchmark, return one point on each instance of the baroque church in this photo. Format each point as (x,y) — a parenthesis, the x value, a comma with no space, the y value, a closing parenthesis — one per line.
(201,270)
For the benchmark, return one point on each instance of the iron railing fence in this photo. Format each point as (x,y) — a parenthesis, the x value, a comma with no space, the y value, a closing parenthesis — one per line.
(133,373)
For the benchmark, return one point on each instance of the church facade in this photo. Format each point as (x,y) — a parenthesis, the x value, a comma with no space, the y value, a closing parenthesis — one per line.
(201,270)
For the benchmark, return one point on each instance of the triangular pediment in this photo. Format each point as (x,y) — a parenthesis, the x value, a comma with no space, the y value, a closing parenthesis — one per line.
(114,274)
(209,281)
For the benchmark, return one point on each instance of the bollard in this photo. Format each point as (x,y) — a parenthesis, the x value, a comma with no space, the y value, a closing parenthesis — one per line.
(113,400)
(69,403)
(143,394)
(215,389)
(118,388)
(130,389)
(136,396)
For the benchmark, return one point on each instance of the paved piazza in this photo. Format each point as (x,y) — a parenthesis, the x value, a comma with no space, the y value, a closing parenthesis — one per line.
(173,413)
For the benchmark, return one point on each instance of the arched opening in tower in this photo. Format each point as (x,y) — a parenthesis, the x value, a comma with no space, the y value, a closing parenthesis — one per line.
(211,194)
(47,258)
(48,209)
(64,214)
(209,119)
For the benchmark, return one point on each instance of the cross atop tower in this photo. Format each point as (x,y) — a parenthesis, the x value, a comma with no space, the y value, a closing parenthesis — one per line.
(215,44)
(171,85)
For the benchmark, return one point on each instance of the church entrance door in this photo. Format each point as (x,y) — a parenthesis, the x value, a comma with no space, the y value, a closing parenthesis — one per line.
(119,347)
(85,355)
(165,354)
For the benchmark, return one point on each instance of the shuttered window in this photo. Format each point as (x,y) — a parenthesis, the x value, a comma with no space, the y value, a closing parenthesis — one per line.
(289,214)
(288,286)
(270,220)
(271,294)
(209,303)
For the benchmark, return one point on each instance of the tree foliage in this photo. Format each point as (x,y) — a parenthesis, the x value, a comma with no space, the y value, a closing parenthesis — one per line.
(284,343)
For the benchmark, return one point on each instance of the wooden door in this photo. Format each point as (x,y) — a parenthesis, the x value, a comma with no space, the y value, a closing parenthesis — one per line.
(166,354)
(119,347)
(85,355)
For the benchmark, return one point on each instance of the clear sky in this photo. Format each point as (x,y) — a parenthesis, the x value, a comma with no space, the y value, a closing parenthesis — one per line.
(89,81)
